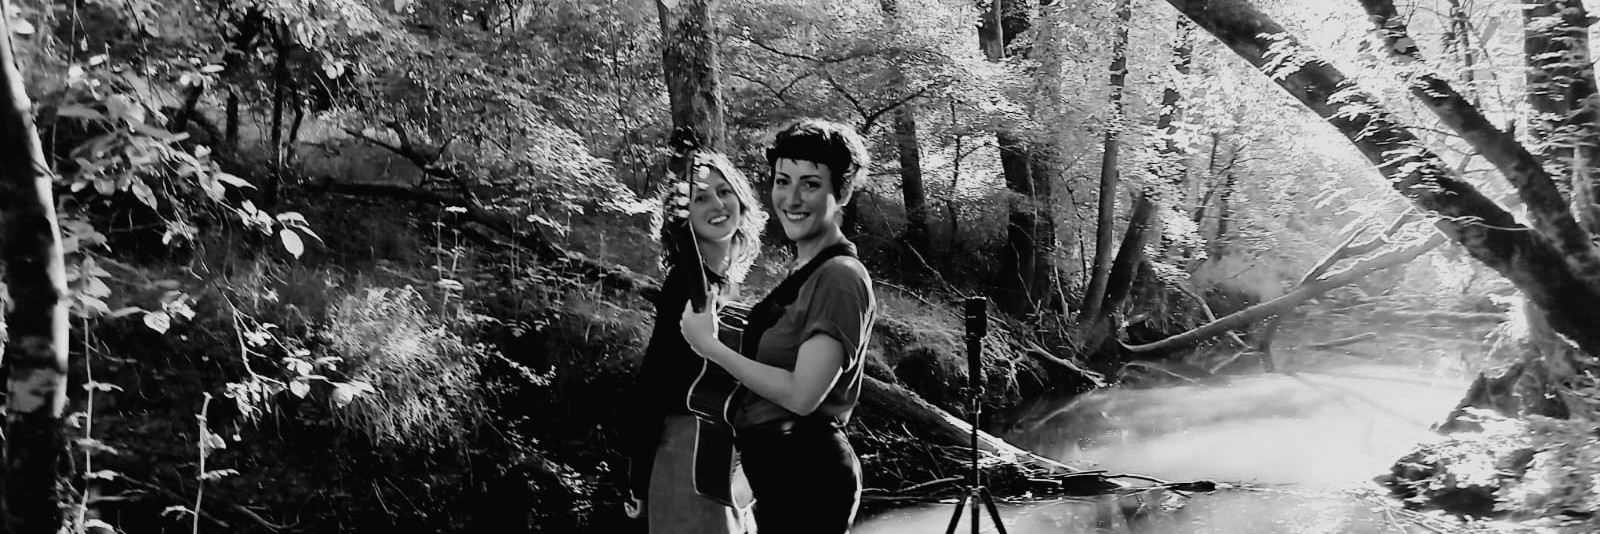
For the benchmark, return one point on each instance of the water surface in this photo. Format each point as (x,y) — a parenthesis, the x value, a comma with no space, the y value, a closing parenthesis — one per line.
(1302,448)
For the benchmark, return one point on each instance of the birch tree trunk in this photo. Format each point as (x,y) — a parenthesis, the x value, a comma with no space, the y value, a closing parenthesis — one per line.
(35,358)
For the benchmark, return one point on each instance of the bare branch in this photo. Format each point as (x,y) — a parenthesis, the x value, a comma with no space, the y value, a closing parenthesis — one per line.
(854,102)
(848,56)
(873,117)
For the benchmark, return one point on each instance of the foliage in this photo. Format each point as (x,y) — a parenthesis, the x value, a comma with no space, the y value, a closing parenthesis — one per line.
(411,379)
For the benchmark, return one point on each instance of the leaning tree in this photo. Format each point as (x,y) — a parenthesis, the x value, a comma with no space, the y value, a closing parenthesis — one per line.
(1549,253)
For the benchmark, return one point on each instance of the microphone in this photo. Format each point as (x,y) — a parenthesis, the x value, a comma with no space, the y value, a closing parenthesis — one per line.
(977,323)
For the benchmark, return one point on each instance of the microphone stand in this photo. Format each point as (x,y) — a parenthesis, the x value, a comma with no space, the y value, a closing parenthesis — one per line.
(977,320)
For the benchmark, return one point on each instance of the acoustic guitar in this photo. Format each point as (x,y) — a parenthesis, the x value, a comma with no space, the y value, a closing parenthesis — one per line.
(711,399)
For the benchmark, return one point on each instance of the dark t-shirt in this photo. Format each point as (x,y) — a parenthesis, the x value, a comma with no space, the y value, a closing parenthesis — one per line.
(837,301)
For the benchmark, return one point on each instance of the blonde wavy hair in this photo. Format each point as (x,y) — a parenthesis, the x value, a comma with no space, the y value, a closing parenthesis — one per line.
(674,235)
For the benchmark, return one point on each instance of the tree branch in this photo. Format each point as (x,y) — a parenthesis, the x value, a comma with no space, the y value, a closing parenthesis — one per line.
(865,126)
(854,54)
(1303,293)
(873,117)
(1488,232)
(1547,207)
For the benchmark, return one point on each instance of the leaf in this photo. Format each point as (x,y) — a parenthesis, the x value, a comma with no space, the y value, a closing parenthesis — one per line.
(80,112)
(123,108)
(103,474)
(158,321)
(175,509)
(124,312)
(292,242)
(101,386)
(233,180)
(95,445)
(299,388)
(211,440)
(143,193)
(96,288)
(211,69)
(292,218)
(344,393)
(218,473)
(93,307)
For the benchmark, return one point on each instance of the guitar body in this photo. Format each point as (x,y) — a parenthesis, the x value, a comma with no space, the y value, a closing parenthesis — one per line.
(711,400)
(712,393)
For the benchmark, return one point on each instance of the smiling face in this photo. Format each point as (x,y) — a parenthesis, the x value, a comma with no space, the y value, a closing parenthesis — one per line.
(714,209)
(803,196)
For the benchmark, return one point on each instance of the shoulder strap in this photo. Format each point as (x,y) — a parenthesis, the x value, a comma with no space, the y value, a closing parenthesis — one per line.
(766,313)
(789,289)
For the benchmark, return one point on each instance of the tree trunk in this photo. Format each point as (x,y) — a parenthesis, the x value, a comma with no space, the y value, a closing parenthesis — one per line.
(280,86)
(1105,236)
(916,200)
(1548,262)
(1458,43)
(955,184)
(231,123)
(37,461)
(1547,207)
(940,428)
(1561,93)
(905,132)
(692,70)
(1168,170)
(1218,245)
(180,120)
(1024,273)
(1131,253)
(294,131)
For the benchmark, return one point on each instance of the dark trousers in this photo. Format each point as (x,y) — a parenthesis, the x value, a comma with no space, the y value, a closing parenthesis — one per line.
(806,479)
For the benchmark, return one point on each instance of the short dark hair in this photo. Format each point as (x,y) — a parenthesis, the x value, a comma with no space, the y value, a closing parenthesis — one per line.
(826,142)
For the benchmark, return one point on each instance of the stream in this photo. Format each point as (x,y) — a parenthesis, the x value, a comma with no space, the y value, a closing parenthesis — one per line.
(1299,452)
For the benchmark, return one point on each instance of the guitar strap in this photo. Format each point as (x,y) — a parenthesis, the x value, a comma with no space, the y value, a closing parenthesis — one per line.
(714,452)
(766,313)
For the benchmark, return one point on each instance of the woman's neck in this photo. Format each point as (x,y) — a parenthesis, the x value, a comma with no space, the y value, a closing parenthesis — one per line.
(714,254)
(805,250)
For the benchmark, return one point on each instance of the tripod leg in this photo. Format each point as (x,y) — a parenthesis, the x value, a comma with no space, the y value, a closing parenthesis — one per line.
(994,511)
(956,517)
(975,511)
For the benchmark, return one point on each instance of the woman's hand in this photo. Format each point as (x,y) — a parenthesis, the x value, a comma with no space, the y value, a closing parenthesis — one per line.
(699,328)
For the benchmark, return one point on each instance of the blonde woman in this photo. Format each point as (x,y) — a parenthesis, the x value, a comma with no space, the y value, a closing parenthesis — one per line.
(709,229)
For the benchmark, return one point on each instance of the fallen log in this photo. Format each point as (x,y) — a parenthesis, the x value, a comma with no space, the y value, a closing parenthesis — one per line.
(1343,341)
(938,427)
(1349,248)
(1281,304)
